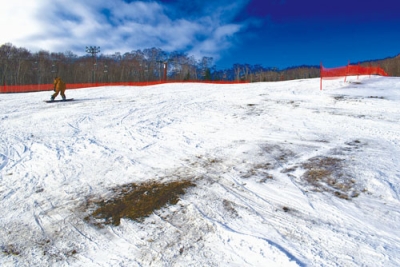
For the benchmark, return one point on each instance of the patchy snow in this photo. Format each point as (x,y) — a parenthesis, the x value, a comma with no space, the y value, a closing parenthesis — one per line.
(248,147)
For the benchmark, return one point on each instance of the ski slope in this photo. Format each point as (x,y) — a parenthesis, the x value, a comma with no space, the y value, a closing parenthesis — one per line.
(249,149)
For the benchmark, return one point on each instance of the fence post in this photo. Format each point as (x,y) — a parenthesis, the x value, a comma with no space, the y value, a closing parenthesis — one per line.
(369,70)
(320,75)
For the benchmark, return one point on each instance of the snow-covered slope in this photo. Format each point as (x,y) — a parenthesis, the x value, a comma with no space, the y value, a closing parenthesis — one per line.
(285,174)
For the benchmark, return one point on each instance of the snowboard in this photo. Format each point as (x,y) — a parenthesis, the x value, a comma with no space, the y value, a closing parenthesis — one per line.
(59,100)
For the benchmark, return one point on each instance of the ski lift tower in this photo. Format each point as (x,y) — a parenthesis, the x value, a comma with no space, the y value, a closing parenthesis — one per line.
(165,64)
(165,70)
(93,50)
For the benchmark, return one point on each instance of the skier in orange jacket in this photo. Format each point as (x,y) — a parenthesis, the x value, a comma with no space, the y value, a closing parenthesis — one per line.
(59,87)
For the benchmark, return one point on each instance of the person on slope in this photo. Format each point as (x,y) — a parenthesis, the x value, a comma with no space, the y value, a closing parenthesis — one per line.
(59,87)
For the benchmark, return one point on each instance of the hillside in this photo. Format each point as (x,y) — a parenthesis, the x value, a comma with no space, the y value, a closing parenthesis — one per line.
(279,174)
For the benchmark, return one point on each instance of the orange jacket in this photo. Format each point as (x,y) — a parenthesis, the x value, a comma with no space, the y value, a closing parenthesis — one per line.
(59,84)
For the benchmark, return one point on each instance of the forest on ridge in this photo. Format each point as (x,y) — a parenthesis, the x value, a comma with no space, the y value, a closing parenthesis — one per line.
(19,66)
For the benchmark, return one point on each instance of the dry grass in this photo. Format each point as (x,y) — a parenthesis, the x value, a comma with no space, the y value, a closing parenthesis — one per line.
(229,206)
(272,157)
(328,174)
(378,97)
(135,201)
(10,250)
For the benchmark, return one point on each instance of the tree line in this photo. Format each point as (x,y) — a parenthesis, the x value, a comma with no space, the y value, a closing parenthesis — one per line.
(19,66)
(391,65)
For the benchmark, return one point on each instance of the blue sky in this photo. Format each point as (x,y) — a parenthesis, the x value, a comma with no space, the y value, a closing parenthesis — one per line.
(273,33)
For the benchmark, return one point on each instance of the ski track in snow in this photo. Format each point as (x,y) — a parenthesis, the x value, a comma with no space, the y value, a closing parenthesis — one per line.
(243,145)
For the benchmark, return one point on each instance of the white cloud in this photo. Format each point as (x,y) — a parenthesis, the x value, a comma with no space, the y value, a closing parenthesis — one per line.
(18,20)
(58,26)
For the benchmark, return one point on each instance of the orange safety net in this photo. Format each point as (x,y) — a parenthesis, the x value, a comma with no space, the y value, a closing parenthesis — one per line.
(49,87)
(349,70)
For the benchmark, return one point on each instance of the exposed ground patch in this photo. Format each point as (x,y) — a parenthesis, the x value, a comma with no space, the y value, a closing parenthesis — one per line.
(135,201)
(353,98)
(328,174)
(254,110)
(377,97)
(24,240)
(347,98)
(10,250)
(268,158)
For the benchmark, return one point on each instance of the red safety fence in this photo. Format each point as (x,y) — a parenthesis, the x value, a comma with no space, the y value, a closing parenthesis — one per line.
(349,70)
(48,87)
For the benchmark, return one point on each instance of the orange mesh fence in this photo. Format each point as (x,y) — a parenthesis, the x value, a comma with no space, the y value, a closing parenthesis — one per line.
(349,70)
(49,87)
(25,88)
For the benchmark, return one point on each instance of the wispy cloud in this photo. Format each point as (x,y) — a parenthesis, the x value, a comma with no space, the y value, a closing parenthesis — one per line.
(199,28)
